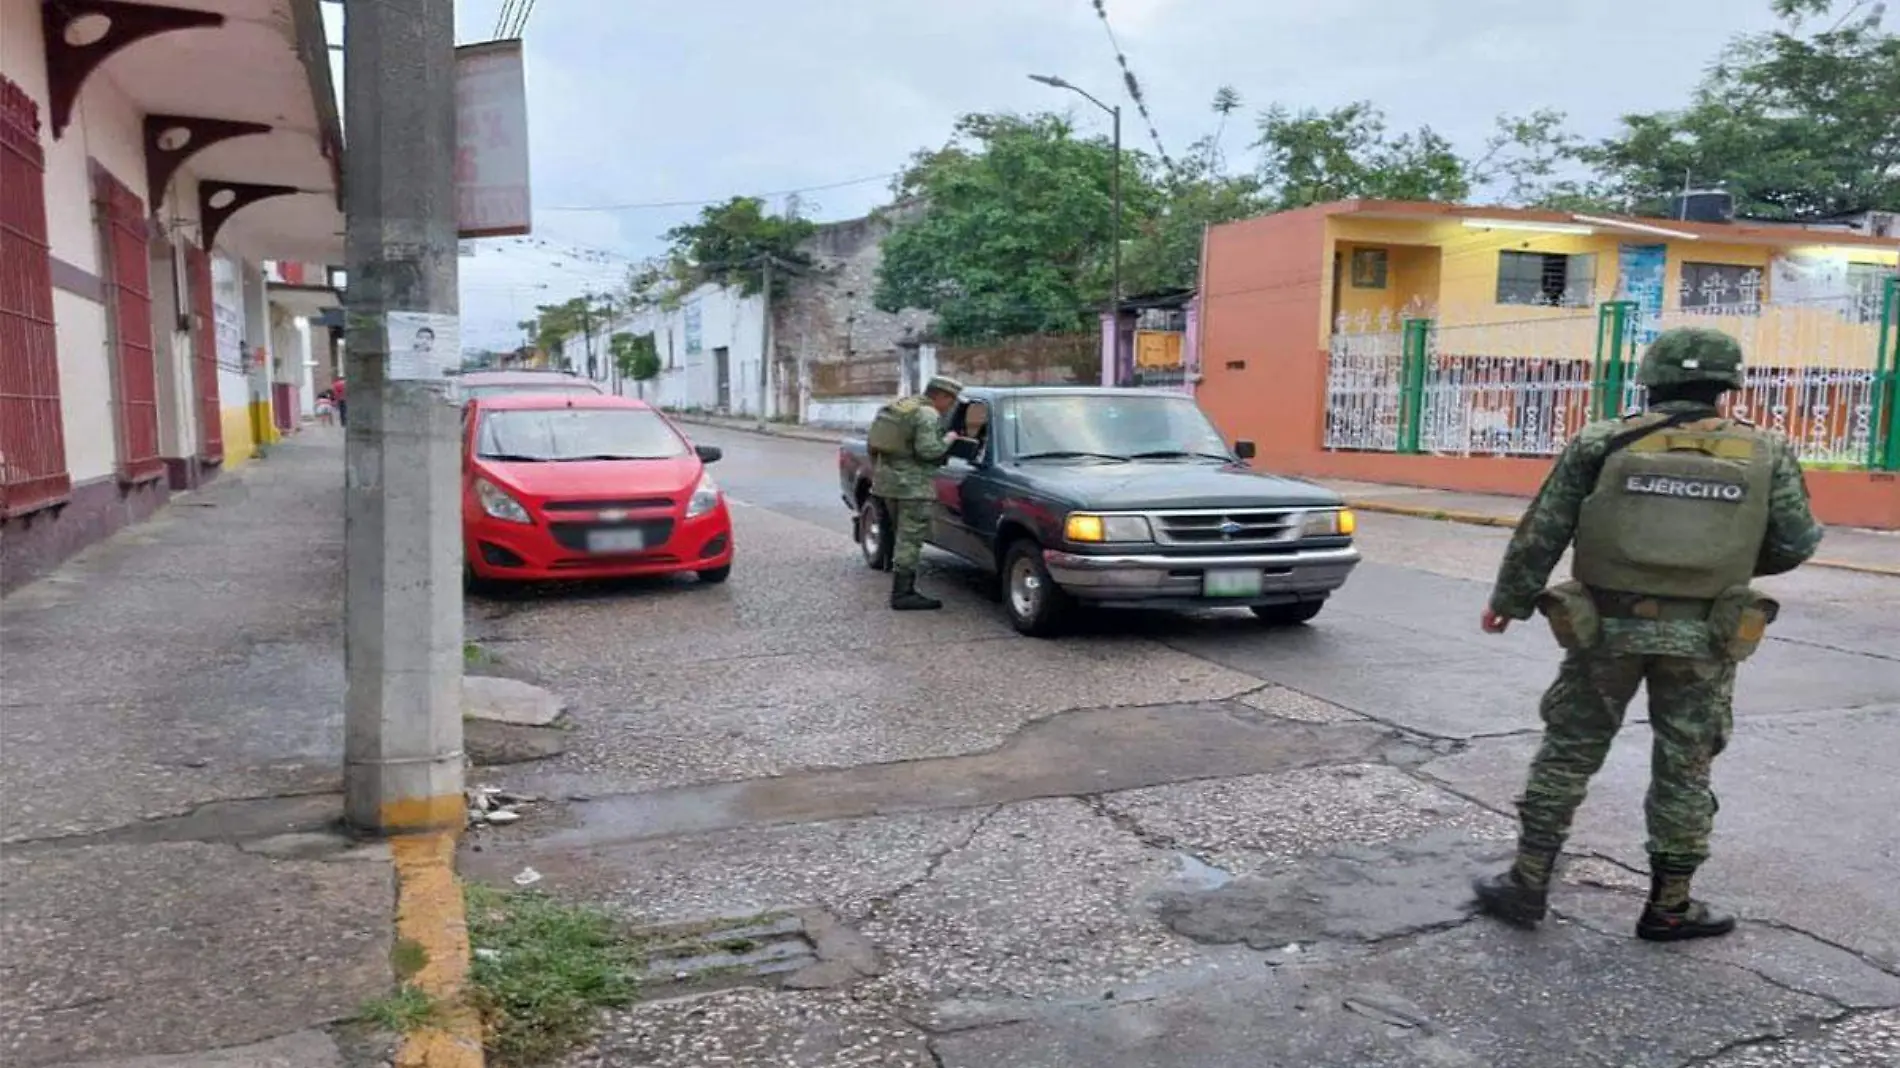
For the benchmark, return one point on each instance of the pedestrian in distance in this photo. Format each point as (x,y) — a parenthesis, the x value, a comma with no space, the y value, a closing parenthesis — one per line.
(1672,511)
(908,443)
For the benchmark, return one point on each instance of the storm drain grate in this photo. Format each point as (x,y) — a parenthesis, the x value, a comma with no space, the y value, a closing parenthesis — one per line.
(755,951)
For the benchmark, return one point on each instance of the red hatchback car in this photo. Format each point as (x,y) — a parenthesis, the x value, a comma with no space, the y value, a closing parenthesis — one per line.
(587,487)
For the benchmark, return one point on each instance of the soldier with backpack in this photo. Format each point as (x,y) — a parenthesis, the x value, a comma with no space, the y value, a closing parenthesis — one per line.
(1672,511)
(907,444)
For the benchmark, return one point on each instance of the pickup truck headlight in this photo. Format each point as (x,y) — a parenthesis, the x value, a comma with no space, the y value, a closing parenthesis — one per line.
(498,504)
(1087,527)
(1332,523)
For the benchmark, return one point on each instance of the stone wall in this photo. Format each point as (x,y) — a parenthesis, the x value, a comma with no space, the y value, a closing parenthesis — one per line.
(827,315)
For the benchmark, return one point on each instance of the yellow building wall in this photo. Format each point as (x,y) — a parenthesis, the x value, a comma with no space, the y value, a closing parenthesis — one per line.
(1449,271)
(239,443)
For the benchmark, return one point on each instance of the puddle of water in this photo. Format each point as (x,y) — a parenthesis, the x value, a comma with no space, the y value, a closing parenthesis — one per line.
(1200,874)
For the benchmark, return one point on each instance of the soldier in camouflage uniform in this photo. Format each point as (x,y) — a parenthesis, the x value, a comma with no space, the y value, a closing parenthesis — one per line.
(907,443)
(1672,511)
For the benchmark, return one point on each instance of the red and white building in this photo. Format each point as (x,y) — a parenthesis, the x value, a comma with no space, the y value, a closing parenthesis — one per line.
(169,205)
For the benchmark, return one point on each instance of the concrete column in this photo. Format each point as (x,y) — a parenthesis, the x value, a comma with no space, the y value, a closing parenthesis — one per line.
(403,641)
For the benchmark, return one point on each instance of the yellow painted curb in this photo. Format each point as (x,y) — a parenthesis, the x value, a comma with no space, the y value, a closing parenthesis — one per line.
(429,913)
(1481,519)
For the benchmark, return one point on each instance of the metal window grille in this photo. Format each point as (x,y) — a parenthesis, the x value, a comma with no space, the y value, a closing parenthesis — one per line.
(32,431)
(134,365)
(204,364)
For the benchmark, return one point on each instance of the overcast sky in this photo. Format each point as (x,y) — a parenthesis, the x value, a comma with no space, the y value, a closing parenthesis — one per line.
(638,101)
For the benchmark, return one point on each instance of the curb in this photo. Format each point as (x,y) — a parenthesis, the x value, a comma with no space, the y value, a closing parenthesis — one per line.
(1481,519)
(1413,511)
(430,913)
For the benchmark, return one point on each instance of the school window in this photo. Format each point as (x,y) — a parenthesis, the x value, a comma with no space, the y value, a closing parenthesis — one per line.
(1867,289)
(1721,287)
(1368,268)
(1551,279)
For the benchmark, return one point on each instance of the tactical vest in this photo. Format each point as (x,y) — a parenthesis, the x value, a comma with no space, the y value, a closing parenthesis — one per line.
(1680,512)
(891,432)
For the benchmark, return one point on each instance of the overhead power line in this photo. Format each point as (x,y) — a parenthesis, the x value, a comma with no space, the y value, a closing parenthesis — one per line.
(1131,83)
(524,11)
(654,204)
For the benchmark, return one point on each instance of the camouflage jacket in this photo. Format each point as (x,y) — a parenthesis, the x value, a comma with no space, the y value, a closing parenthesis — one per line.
(1550,524)
(911,478)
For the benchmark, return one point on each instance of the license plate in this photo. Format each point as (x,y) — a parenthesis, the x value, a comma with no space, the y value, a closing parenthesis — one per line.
(616,541)
(1231,584)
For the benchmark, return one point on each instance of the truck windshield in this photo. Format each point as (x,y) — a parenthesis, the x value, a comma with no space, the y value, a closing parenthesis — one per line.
(1111,426)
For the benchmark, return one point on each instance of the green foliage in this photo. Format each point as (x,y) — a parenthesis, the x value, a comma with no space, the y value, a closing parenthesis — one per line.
(731,242)
(1163,251)
(541,972)
(405,1010)
(1312,157)
(1016,235)
(636,356)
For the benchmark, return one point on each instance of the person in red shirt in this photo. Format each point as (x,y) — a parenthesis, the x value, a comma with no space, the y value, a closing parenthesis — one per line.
(336,394)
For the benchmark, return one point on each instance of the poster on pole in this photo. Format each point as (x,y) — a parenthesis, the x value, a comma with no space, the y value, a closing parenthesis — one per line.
(422,346)
(492,196)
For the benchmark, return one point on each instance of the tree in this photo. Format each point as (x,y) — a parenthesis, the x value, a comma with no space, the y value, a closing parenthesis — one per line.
(1164,252)
(731,242)
(1017,227)
(1795,123)
(635,356)
(1312,157)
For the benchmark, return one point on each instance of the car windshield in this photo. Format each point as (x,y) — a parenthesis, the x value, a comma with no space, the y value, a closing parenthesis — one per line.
(564,389)
(555,434)
(1111,427)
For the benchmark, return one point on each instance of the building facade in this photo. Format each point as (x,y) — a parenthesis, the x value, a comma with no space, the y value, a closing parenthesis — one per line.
(153,159)
(1461,347)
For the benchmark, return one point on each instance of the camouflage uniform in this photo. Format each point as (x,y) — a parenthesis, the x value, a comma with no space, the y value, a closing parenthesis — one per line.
(906,484)
(1669,644)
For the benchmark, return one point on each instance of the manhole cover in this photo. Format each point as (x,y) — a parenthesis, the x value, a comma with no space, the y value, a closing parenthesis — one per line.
(758,950)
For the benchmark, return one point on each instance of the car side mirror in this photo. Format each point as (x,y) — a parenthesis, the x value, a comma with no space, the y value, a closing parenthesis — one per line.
(708,454)
(1244,449)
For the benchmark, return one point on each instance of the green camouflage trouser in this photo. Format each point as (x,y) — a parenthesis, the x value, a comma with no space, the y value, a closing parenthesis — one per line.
(910,525)
(1690,714)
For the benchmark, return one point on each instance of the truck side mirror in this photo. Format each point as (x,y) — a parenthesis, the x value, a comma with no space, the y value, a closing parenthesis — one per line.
(1244,449)
(966,449)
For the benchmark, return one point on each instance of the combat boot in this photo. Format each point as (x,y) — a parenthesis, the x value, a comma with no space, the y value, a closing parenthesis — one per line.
(904,595)
(1671,915)
(1508,897)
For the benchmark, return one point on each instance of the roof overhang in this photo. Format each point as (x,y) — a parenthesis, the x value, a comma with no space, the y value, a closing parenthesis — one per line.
(1531,219)
(238,92)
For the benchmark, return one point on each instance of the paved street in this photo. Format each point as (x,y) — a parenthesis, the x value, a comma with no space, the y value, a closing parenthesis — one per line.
(1180,841)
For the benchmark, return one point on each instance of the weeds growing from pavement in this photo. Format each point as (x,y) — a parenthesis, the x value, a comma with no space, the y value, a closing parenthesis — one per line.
(541,972)
(400,1012)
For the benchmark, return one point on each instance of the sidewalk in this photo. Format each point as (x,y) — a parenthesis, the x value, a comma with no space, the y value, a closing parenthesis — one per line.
(170,758)
(1871,551)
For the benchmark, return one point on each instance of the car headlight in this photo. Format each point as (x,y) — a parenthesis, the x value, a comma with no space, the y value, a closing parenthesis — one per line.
(705,498)
(497,503)
(1333,523)
(1088,527)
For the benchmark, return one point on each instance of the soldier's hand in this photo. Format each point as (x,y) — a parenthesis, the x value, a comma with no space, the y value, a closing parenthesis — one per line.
(1494,623)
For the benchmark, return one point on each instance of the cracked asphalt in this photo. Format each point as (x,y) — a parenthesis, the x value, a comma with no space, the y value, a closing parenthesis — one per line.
(1186,841)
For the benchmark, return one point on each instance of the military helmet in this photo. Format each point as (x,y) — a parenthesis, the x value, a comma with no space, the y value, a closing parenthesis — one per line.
(944,384)
(1691,354)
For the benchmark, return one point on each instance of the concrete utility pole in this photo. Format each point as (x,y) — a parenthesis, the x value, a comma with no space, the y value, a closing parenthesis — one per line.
(403,525)
(765,341)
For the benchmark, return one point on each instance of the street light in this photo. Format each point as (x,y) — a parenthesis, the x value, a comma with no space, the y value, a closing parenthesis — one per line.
(1115,113)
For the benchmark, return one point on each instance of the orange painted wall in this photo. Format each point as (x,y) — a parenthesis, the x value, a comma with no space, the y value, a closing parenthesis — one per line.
(1264,376)
(1266,295)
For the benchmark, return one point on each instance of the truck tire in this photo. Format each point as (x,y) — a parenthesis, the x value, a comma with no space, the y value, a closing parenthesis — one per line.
(1036,606)
(1288,615)
(873,530)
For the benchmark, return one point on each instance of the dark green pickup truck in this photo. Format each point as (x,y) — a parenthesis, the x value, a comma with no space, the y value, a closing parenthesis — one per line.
(1117,498)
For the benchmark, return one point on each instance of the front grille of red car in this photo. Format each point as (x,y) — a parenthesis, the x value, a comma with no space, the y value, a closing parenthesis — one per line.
(573,536)
(602,506)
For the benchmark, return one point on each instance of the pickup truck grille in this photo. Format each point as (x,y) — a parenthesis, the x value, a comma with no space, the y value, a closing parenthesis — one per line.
(1226,528)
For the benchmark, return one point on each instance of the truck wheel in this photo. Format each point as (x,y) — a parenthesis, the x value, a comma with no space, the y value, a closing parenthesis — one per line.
(1036,605)
(874,534)
(1288,615)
